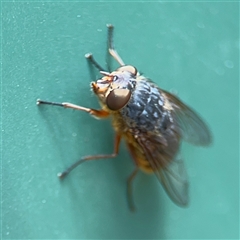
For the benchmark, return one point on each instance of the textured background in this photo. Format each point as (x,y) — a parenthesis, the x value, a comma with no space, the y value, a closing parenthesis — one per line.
(189,48)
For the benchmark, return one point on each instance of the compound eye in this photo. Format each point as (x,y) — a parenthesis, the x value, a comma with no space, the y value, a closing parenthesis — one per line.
(118,98)
(128,68)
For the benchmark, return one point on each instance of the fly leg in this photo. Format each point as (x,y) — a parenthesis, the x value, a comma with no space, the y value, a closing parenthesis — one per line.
(96,113)
(133,153)
(90,58)
(111,48)
(129,189)
(92,157)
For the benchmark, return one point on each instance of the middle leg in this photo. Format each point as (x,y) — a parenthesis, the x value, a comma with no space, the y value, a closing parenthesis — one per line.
(92,157)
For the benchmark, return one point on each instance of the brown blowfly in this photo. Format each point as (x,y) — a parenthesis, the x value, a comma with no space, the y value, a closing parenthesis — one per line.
(152,122)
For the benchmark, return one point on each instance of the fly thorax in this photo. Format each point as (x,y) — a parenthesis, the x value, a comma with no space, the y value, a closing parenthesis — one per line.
(145,109)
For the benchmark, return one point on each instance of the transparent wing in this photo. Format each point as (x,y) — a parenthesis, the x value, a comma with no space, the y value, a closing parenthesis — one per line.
(192,127)
(168,168)
(174,180)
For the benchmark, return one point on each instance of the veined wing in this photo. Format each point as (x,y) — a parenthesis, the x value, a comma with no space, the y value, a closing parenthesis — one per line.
(192,127)
(168,168)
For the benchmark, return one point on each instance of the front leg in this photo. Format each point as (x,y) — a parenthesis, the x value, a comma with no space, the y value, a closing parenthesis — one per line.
(96,113)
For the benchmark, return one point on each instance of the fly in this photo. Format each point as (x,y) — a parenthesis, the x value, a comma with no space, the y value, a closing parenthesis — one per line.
(151,121)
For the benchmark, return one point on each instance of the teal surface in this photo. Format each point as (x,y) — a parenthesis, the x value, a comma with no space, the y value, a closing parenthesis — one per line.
(190,48)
